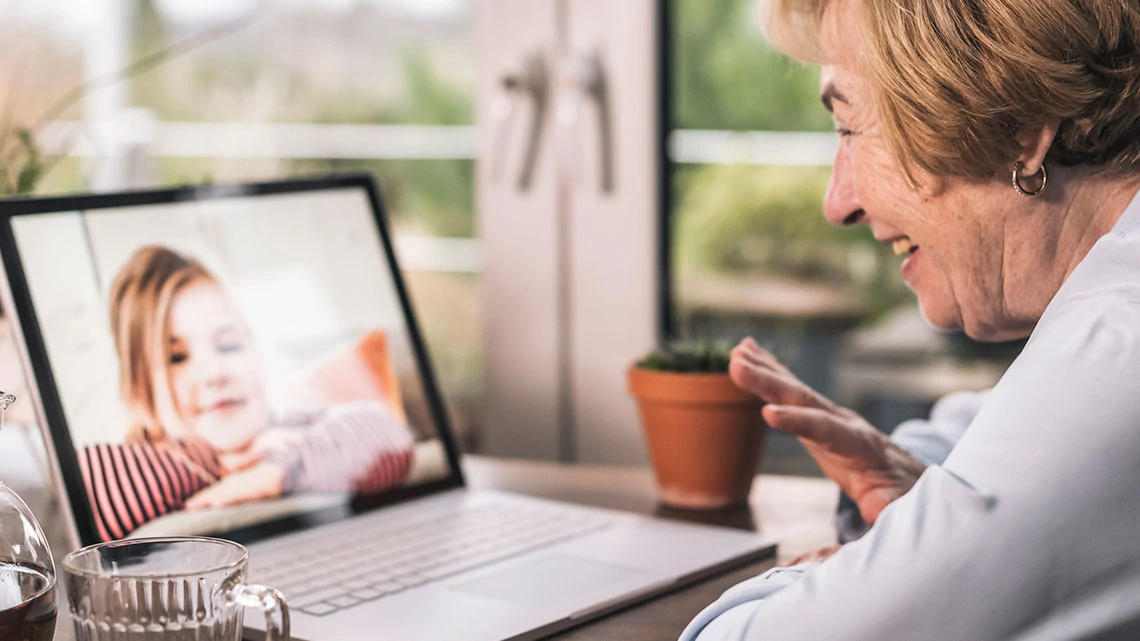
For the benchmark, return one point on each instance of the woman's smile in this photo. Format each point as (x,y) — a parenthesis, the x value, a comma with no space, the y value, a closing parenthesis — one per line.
(909,266)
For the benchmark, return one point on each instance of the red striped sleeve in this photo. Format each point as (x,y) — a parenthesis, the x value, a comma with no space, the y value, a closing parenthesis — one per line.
(153,489)
(103,504)
(113,479)
(202,454)
(141,491)
(161,476)
(131,494)
(96,508)
(128,485)
(177,486)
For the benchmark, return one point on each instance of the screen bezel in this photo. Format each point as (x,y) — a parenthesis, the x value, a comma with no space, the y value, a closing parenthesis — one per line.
(52,408)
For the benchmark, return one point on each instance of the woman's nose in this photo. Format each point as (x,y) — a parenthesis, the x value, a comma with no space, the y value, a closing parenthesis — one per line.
(841,203)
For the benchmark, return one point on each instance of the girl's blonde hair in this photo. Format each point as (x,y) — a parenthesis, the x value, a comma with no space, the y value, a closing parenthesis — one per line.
(955,81)
(139,304)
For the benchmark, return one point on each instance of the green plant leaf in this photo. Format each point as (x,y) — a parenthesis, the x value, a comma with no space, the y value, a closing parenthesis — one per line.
(29,175)
(697,357)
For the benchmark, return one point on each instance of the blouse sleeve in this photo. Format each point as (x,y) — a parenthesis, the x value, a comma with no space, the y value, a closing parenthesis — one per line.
(1026,531)
(359,448)
(929,440)
(131,484)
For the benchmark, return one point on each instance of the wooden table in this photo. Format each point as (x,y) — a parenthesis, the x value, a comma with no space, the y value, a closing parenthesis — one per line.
(795,511)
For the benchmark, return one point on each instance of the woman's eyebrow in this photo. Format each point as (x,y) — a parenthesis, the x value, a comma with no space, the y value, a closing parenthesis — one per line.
(829,94)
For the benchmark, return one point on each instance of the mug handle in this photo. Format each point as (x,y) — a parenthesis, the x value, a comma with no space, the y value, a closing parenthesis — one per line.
(269,601)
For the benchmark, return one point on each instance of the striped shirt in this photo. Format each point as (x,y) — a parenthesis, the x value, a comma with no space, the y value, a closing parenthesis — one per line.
(358,447)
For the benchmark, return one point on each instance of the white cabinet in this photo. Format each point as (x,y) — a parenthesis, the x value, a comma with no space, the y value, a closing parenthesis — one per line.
(569,216)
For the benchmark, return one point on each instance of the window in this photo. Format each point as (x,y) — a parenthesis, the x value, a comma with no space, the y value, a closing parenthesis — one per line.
(250,91)
(752,254)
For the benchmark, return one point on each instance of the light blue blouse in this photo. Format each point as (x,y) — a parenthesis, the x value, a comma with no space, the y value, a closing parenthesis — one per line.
(1029,530)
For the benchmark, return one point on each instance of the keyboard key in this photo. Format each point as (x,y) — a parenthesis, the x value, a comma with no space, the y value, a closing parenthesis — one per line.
(318,609)
(410,580)
(361,564)
(312,596)
(387,587)
(344,601)
(367,594)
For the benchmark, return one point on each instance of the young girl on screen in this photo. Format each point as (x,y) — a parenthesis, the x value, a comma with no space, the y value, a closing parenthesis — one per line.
(202,433)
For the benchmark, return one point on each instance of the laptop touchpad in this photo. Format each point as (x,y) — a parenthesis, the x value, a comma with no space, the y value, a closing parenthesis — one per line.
(547,580)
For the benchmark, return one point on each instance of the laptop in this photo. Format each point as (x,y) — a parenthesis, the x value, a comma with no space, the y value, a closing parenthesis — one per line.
(244,362)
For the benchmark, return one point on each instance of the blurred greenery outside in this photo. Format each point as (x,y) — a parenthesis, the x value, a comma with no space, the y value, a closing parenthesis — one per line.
(426,80)
(729,220)
(758,221)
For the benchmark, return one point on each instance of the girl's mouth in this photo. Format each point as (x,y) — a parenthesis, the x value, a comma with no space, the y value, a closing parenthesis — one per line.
(223,405)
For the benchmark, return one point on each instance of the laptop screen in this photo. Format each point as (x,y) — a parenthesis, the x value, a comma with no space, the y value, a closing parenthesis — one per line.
(227,362)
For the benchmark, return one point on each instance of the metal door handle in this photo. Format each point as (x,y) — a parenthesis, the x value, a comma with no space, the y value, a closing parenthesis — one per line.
(585,77)
(528,83)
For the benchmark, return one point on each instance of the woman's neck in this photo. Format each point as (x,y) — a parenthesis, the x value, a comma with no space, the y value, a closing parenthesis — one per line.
(1066,224)
(1095,207)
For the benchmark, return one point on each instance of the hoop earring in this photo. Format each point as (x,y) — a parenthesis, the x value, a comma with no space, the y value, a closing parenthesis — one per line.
(1017,167)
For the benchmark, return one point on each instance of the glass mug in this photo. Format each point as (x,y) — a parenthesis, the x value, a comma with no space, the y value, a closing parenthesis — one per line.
(167,589)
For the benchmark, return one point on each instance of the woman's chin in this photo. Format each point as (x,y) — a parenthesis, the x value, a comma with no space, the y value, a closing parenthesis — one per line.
(941,317)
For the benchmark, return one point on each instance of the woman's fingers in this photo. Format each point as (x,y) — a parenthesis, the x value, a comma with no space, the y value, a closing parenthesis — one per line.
(751,351)
(814,424)
(773,386)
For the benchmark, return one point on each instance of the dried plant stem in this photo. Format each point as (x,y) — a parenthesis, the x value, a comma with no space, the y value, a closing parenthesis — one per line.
(11,145)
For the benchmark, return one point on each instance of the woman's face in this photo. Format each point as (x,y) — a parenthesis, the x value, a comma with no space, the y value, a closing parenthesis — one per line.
(215,373)
(956,253)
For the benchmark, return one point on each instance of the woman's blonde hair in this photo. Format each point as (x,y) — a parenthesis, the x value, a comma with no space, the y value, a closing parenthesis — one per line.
(139,304)
(955,81)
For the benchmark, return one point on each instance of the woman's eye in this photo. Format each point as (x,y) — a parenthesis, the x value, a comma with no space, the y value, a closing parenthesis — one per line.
(843,131)
(178,358)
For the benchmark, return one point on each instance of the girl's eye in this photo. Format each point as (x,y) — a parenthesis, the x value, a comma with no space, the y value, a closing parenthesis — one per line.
(843,131)
(178,358)
(226,348)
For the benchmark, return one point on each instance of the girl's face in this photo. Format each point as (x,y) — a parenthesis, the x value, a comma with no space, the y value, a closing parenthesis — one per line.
(215,374)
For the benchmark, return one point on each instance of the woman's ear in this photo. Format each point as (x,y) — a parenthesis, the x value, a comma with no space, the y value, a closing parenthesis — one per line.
(1036,144)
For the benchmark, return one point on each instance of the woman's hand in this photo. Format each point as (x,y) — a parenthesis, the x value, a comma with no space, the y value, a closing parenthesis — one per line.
(868,467)
(262,481)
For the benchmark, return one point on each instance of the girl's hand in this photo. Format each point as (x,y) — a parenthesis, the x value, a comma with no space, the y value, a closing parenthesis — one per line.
(267,441)
(261,481)
(867,465)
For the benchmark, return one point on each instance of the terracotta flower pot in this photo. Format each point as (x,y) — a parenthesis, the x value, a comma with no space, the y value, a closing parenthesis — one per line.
(705,436)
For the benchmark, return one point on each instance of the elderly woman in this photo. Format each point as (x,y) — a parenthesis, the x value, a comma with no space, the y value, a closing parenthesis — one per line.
(997,145)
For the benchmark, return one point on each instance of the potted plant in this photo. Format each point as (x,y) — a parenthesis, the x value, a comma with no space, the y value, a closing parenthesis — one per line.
(705,434)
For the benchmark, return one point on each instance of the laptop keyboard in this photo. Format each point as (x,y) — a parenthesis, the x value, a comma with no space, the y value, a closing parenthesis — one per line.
(365,563)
